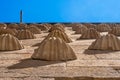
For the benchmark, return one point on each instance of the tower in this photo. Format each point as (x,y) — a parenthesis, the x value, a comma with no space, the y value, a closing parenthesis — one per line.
(21,13)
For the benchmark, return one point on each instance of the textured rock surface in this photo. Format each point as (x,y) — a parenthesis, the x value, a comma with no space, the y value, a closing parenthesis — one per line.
(108,42)
(113,25)
(9,42)
(103,27)
(15,31)
(45,26)
(115,31)
(90,34)
(89,25)
(60,34)
(81,30)
(34,30)
(13,26)
(7,31)
(25,34)
(90,65)
(54,48)
(57,27)
(75,26)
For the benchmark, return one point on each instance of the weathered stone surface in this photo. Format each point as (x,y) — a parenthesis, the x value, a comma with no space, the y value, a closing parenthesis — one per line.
(54,48)
(25,34)
(103,27)
(81,30)
(34,30)
(9,43)
(14,56)
(57,27)
(60,34)
(107,42)
(93,63)
(108,55)
(90,65)
(75,26)
(90,34)
(89,25)
(115,31)
(82,43)
(44,26)
(13,26)
(82,56)
(7,31)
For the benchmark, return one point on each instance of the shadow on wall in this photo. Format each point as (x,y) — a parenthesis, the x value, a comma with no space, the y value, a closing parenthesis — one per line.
(26,63)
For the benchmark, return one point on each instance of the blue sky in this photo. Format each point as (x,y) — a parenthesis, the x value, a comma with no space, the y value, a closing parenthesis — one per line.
(60,10)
